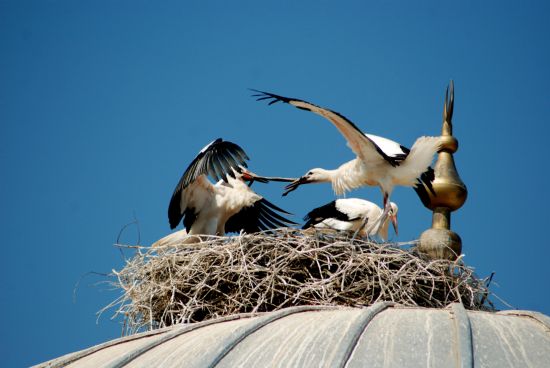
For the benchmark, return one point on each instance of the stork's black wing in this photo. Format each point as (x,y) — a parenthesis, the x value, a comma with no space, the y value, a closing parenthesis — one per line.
(262,215)
(324,212)
(392,152)
(216,160)
(424,184)
(361,144)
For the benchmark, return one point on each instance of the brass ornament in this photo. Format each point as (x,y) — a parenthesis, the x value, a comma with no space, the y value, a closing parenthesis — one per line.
(439,242)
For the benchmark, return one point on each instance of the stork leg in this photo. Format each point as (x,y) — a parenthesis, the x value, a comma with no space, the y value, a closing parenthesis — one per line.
(363,224)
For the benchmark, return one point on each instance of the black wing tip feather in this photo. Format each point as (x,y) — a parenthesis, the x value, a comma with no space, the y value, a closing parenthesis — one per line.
(216,160)
(237,149)
(422,193)
(269,204)
(261,216)
(189,217)
(270,208)
(274,98)
(174,214)
(262,95)
(276,218)
(309,223)
(173,222)
(427,178)
(423,185)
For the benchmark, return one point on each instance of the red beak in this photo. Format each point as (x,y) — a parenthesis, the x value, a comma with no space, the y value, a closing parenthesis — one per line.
(250,176)
(394,223)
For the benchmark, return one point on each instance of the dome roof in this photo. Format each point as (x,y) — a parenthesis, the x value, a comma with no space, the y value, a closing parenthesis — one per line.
(382,335)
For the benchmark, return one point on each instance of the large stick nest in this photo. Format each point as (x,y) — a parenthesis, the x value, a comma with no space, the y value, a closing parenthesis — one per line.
(265,272)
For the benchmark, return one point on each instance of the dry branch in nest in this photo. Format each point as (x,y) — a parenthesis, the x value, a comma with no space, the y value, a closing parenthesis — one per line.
(265,272)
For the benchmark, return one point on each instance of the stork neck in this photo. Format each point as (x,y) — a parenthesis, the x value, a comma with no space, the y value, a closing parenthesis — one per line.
(330,176)
(326,176)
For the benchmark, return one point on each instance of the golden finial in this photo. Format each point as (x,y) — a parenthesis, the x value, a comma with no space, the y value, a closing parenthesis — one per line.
(450,193)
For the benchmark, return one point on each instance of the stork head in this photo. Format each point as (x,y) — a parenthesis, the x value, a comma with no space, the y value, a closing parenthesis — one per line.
(392,214)
(316,175)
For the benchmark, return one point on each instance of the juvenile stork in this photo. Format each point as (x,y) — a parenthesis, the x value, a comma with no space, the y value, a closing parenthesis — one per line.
(227,206)
(352,214)
(380,161)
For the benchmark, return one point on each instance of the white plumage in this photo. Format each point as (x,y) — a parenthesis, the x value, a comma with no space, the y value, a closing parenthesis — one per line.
(227,206)
(177,237)
(380,162)
(352,214)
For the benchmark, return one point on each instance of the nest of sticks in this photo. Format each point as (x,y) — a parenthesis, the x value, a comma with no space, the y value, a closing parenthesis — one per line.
(268,271)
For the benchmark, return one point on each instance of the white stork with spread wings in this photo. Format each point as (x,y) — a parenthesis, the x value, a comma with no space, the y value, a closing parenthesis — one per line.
(227,206)
(380,161)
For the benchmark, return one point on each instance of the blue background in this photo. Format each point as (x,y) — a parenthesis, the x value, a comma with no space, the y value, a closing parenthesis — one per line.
(103,104)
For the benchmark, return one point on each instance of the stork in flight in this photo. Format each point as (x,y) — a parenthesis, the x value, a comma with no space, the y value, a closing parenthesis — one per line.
(379,162)
(227,206)
(352,214)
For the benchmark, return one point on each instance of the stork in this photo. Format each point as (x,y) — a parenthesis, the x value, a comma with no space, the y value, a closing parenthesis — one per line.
(352,214)
(227,206)
(177,237)
(380,161)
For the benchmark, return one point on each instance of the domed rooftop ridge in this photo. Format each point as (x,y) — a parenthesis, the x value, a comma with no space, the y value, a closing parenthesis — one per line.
(382,335)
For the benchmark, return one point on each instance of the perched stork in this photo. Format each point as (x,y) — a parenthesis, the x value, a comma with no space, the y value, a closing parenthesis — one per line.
(352,214)
(227,206)
(380,161)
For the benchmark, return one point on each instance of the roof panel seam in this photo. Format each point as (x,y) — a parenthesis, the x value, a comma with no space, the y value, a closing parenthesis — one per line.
(128,357)
(366,318)
(463,336)
(535,316)
(261,322)
(72,357)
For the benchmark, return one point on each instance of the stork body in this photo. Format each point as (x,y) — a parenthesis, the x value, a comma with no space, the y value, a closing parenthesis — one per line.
(230,205)
(177,237)
(363,171)
(352,214)
(380,161)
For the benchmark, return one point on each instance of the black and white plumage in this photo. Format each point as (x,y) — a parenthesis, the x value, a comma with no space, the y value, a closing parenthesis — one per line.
(379,162)
(227,206)
(352,214)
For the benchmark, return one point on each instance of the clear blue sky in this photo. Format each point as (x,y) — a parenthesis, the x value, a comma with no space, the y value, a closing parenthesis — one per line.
(104,103)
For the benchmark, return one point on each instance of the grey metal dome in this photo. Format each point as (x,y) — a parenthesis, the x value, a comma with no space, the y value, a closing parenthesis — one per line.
(383,335)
